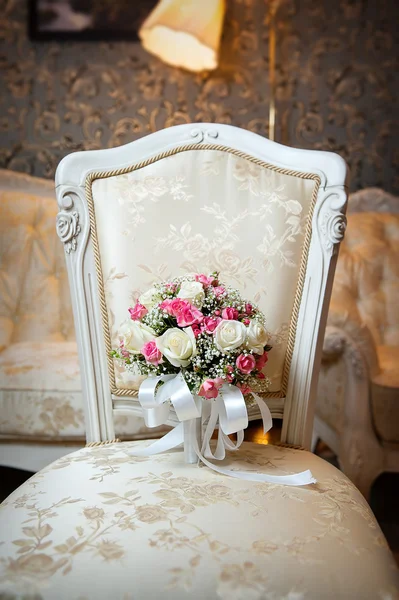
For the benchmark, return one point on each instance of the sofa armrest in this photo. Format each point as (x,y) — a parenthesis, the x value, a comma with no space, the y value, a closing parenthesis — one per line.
(346,328)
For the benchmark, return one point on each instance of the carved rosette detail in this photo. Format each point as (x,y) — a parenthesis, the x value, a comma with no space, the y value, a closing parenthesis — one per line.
(333,346)
(68,229)
(333,227)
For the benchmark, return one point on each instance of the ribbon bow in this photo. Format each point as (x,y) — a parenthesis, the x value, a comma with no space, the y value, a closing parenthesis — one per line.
(228,410)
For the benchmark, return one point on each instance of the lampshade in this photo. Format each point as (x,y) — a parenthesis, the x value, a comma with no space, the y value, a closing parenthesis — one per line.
(185,33)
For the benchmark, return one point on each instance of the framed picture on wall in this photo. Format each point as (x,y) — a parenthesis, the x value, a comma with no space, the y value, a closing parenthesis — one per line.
(88,19)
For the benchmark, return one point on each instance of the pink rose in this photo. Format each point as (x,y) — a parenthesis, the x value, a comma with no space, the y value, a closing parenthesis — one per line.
(229,371)
(209,324)
(246,363)
(210,388)
(165,305)
(244,388)
(206,281)
(122,349)
(230,314)
(173,307)
(261,376)
(137,312)
(196,329)
(261,361)
(189,315)
(151,353)
(246,321)
(248,308)
(219,290)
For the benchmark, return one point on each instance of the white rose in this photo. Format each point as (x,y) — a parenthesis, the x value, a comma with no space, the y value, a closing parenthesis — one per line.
(150,298)
(257,337)
(177,345)
(192,291)
(134,335)
(229,335)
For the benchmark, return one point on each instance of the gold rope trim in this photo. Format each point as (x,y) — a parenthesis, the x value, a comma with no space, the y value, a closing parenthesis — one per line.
(302,270)
(95,444)
(285,445)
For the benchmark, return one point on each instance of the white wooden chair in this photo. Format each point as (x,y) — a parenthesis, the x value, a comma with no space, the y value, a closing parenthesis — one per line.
(357,410)
(101,523)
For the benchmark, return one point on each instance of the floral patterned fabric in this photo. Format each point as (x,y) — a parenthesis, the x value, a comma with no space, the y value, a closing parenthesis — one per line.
(368,271)
(40,388)
(364,303)
(199,211)
(101,524)
(41,395)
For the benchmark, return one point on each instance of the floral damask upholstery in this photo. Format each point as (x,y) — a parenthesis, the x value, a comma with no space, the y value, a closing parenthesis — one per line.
(198,211)
(40,388)
(100,524)
(359,380)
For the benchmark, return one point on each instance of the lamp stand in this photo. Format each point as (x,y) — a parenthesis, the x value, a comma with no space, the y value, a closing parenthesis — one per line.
(273,6)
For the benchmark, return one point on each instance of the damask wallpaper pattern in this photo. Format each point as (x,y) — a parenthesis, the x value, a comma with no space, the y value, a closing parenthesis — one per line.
(337,87)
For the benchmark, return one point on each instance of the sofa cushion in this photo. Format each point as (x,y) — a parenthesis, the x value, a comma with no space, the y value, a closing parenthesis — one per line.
(368,270)
(40,366)
(32,265)
(41,398)
(40,388)
(385,394)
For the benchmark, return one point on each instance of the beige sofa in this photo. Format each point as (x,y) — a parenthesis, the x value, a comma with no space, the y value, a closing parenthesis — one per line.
(357,411)
(41,405)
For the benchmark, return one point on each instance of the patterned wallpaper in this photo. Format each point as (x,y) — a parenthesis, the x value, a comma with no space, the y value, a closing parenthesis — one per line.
(337,87)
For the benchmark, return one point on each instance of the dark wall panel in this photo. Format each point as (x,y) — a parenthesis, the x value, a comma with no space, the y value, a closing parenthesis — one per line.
(337,87)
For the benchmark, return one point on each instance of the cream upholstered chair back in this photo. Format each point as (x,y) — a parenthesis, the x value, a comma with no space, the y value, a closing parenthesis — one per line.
(202,198)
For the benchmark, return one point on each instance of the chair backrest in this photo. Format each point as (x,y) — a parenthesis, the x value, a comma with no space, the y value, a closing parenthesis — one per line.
(34,302)
(202,198)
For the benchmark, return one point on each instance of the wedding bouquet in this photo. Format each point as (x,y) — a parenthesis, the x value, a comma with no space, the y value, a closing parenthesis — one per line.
(199,327)
(194,337)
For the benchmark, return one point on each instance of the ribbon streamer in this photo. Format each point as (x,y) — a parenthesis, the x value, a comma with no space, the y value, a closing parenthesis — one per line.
(228,412)
(155,402)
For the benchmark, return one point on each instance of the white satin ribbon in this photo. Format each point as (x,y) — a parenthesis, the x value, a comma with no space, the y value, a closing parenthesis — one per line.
(228,409)
(171,440)
(155,402)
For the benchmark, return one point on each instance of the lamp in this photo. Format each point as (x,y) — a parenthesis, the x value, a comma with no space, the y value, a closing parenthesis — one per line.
(185,33)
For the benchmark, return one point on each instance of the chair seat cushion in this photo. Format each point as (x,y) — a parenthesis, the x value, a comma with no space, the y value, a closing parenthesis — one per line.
(385,394)
(41,397)
(100,523)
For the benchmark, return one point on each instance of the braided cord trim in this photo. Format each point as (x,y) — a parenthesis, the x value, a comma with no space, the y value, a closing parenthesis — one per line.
(105,443)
